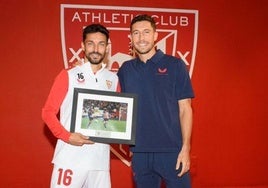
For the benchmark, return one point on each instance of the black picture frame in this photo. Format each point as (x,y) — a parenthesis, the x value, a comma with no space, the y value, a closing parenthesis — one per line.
(104,116)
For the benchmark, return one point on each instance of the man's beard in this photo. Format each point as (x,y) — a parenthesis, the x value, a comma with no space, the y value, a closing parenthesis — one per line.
(93,60)
(142,52)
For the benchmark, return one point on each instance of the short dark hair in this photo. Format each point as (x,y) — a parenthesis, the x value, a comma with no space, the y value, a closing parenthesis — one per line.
(94,28)
(143,17)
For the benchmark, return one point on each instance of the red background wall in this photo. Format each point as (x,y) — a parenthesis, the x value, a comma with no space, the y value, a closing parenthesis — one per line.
(230,80)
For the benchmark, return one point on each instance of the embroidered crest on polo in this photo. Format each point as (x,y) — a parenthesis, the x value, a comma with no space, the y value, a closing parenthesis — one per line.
(177,36)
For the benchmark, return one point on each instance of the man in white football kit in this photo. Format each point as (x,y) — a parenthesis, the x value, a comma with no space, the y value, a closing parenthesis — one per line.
(79,162)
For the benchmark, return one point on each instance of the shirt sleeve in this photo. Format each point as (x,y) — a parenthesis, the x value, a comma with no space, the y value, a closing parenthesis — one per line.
(120,78)
(52,106)
(118,88)
(184,86)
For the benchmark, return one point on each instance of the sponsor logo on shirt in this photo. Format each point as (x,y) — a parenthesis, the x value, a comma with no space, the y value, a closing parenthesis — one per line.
(162,71)
(80,78)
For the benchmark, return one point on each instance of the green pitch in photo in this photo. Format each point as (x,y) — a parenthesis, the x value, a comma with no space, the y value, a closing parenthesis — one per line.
(113,125)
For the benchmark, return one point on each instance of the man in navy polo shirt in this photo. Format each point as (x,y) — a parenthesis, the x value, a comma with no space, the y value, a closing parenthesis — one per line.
(164,125)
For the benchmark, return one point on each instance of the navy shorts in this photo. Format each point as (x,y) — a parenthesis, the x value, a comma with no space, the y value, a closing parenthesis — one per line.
(150,169)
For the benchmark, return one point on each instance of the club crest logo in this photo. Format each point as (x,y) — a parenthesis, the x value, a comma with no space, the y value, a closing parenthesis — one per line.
(108,84)
(177,36)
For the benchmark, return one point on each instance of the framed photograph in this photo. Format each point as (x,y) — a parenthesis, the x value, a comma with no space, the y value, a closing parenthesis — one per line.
(104,116)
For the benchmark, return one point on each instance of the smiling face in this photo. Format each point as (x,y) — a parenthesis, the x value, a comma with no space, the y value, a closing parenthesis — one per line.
(95,47)
(143,38)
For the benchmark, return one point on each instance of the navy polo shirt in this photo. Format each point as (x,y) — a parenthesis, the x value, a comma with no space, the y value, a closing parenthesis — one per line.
(159,84)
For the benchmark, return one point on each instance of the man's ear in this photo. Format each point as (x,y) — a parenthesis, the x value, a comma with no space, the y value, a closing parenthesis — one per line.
(108,47)
(155,35)
(83,46)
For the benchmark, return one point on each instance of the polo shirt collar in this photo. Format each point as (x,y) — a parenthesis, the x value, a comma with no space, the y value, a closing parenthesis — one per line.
(90,71)
(155,58)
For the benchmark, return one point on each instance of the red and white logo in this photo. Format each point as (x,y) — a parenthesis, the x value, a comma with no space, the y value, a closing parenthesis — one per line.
(177,36)
(162,71)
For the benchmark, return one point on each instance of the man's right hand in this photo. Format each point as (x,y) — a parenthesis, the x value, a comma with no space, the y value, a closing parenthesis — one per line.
(77,139)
